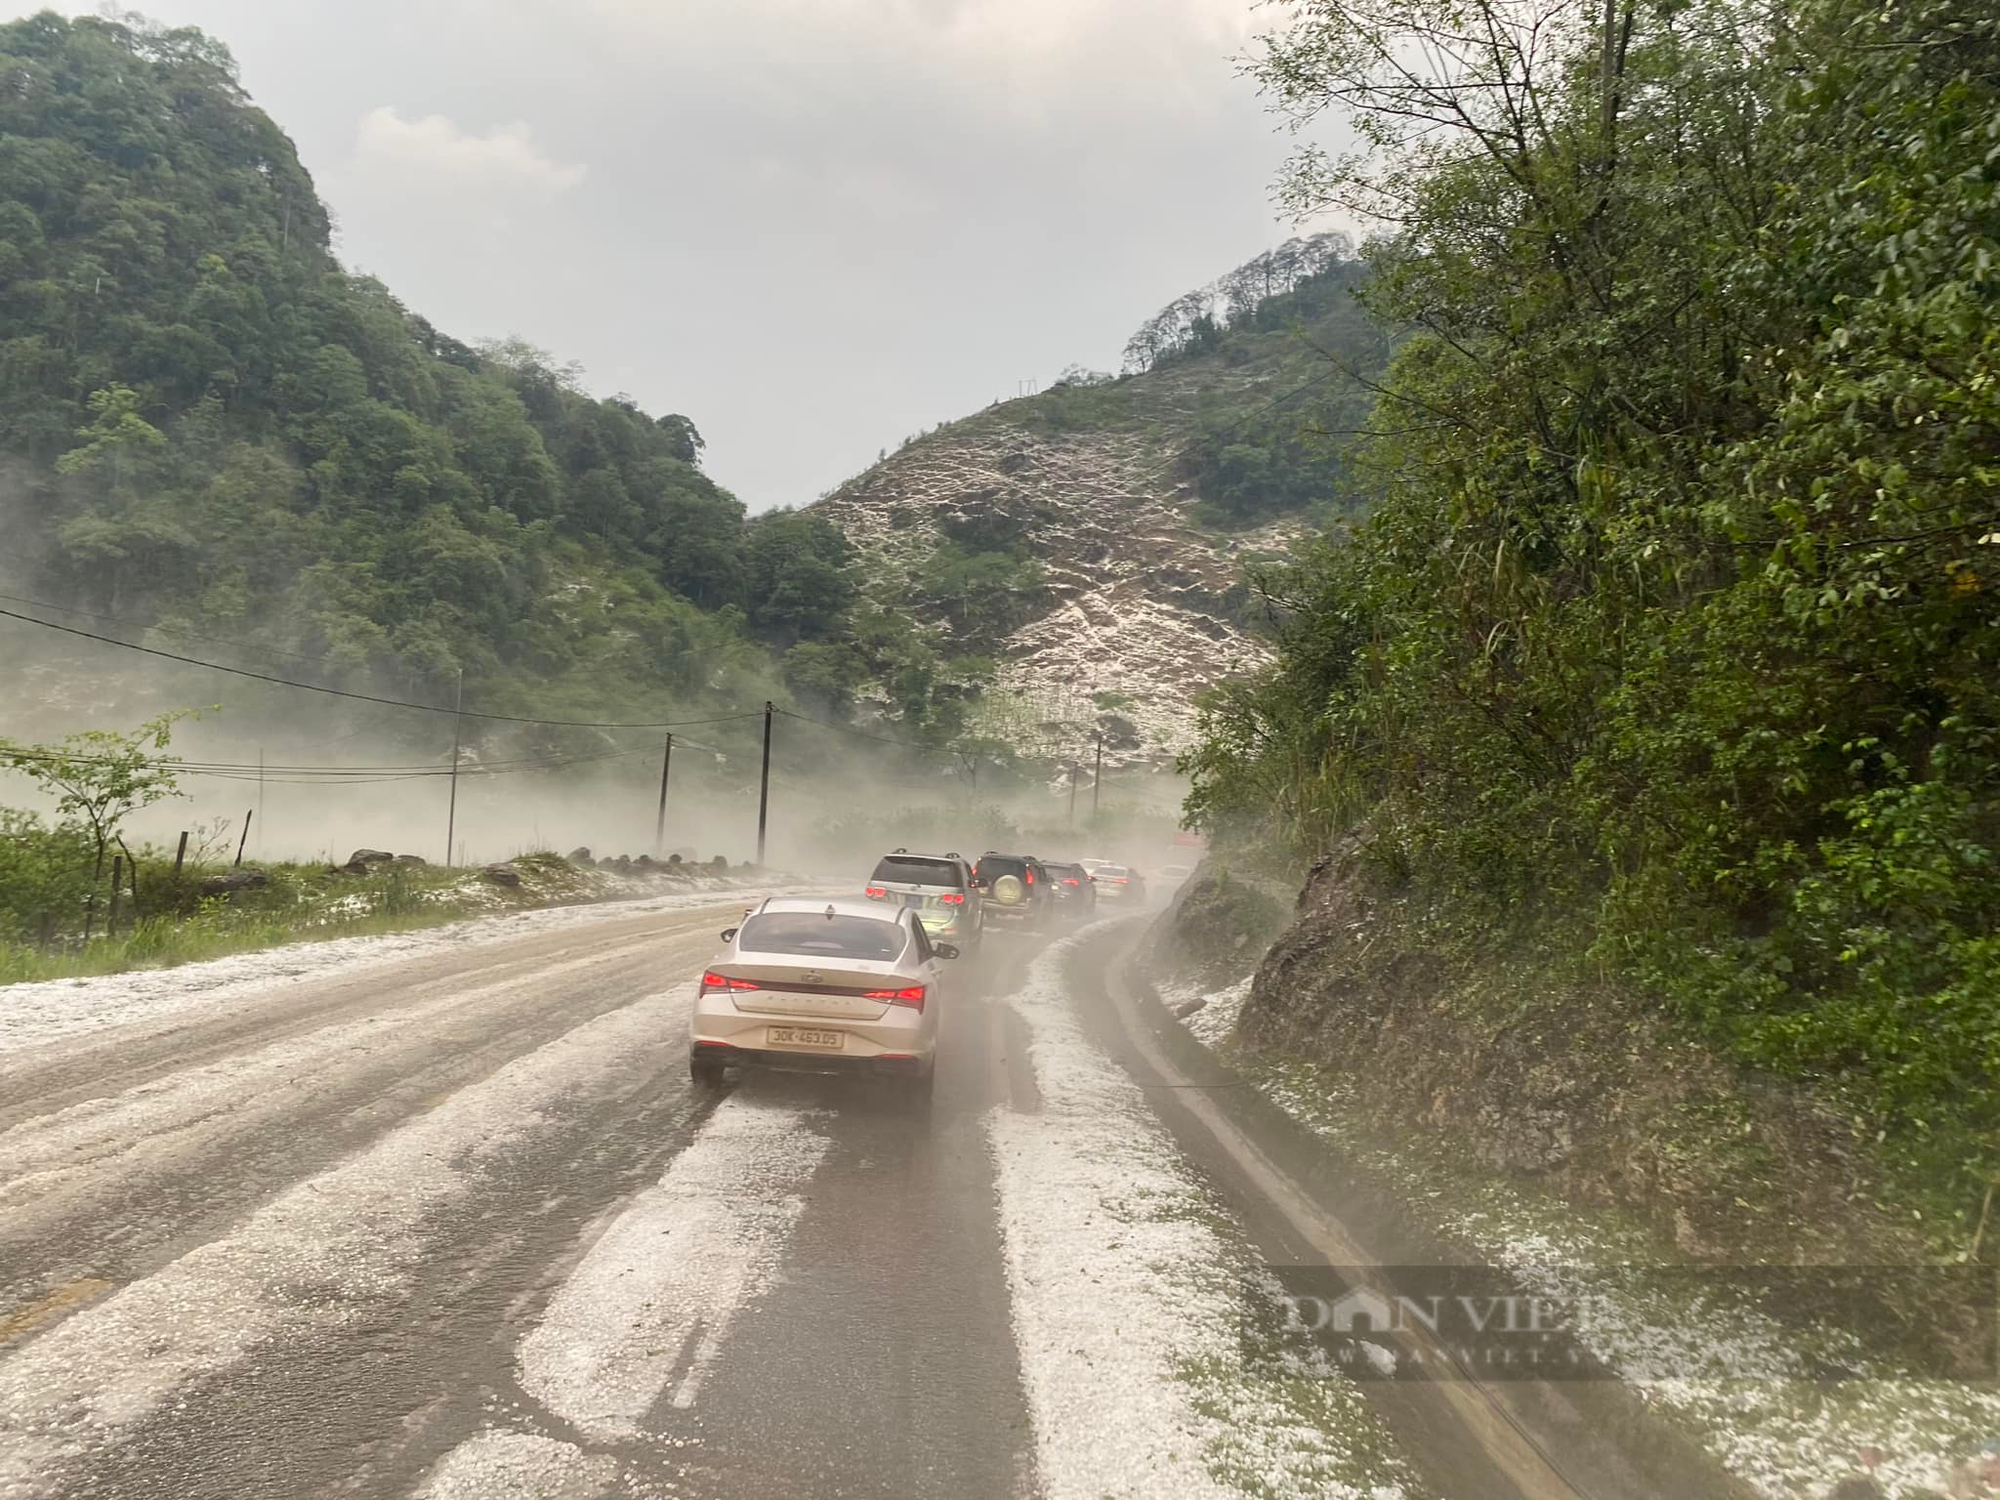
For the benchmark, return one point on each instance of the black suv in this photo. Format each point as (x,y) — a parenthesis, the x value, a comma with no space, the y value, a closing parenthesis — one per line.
(1075,895)
(1016,887)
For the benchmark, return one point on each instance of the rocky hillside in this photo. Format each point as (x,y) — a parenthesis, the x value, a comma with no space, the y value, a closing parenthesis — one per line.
(1118,514)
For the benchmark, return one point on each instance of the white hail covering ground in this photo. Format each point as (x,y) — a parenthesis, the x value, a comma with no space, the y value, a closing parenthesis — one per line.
(1136,591)
(344,1238)
(674,1268)
(52,1009)
(129,1132)
(1125,1298)
(656,1293)
(1741,1382)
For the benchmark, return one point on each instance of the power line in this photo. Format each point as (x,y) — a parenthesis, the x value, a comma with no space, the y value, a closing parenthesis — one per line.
(167,630)
(333,775)
(313,687)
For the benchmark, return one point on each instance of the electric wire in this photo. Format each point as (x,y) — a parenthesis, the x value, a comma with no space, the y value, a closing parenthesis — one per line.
(313,687)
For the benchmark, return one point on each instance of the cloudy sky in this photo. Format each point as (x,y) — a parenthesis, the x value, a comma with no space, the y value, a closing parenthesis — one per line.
(813,226)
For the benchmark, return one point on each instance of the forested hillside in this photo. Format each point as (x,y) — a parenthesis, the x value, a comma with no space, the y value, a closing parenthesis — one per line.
(1665,666)
(209,425)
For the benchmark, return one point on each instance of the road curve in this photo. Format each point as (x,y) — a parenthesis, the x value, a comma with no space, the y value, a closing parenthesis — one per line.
(455,1224)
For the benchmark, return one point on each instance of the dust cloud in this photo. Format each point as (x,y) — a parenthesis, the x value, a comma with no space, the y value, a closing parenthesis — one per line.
(340,775)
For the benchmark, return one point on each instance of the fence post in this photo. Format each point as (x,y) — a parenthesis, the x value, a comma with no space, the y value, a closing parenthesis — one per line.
(246,837)
(181,854)
(117,878)
(48,930)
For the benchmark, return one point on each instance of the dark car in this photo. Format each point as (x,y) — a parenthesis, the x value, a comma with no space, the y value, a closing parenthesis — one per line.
(1076,895)
(1119,883)
(1015,887)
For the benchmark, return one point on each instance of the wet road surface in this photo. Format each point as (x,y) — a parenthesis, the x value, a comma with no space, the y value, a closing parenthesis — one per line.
(394,1233)
(457,1225)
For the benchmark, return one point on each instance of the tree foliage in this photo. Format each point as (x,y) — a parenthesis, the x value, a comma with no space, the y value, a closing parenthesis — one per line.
(217,426)
(1674,625)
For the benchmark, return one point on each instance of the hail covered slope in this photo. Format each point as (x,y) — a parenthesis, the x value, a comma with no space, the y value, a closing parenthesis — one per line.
(1137,600)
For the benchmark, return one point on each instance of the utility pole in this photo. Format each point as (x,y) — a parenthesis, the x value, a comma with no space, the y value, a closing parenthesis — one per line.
(660,824)
(764,786)
(451,816)
(1097,778)
(1072,796)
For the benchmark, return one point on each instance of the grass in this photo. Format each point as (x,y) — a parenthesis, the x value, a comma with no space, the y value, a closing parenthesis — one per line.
(302,903)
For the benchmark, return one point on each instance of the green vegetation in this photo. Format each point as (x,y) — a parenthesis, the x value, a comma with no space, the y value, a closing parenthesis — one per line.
(175,924)
(212,428)
(1248,388)
(58,918)
(1668,650)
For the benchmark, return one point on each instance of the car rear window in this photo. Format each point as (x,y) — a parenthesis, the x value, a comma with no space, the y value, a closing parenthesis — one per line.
(913,869)
(1065,872)
(1114,871)
(815,935)
(993,866)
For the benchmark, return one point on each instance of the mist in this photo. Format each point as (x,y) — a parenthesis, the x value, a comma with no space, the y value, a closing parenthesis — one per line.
(836,800)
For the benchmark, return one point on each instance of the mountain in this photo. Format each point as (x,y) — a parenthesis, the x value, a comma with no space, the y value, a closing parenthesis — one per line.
(211,431)
(208,427)
(1092,538)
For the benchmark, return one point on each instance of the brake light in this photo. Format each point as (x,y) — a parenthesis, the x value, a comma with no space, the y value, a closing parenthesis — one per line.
(952,898)
(713,981)
(1069,880)
(876,893)
(1030,874)
(913,997)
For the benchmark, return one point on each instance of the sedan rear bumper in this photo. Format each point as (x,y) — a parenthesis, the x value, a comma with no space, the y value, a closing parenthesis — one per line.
(883,1065)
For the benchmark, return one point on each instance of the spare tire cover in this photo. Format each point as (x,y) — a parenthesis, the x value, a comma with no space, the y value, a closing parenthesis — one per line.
(1009,891)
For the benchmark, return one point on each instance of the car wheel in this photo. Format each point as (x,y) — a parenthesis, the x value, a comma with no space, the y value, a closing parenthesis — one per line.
(705,1072)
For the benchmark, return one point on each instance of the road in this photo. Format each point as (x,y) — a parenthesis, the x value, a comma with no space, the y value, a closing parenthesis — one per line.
(457,1225)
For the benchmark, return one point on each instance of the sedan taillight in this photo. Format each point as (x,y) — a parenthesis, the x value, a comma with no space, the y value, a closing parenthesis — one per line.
(952,898)
(876,892)
(714,981)
(913,997)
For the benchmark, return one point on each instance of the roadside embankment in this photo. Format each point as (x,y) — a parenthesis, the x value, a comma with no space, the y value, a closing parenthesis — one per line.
(1563,1131)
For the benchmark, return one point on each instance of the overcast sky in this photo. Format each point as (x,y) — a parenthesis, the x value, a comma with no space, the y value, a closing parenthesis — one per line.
(812,226)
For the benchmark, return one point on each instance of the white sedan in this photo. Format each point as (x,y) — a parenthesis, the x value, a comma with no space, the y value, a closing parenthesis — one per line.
(821,986)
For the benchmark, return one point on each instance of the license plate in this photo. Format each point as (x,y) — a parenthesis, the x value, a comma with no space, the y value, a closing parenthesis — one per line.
(913,901)
(806,1036)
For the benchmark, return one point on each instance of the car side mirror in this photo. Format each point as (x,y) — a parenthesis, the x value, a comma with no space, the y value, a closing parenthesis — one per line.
(729,934)
(945,950)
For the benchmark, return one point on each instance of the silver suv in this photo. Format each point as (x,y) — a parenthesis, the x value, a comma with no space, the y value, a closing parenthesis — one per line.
(938,888)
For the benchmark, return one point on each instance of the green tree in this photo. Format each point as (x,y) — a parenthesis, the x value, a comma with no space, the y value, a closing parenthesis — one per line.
(100,777)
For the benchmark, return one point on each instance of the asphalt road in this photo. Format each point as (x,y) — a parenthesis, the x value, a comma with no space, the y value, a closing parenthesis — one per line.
(456,1225)
(385,1234)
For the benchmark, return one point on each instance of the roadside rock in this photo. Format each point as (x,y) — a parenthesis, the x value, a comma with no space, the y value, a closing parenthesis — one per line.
(412,860)
(505,875)
(580,855)
(370,857)
(231,881)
